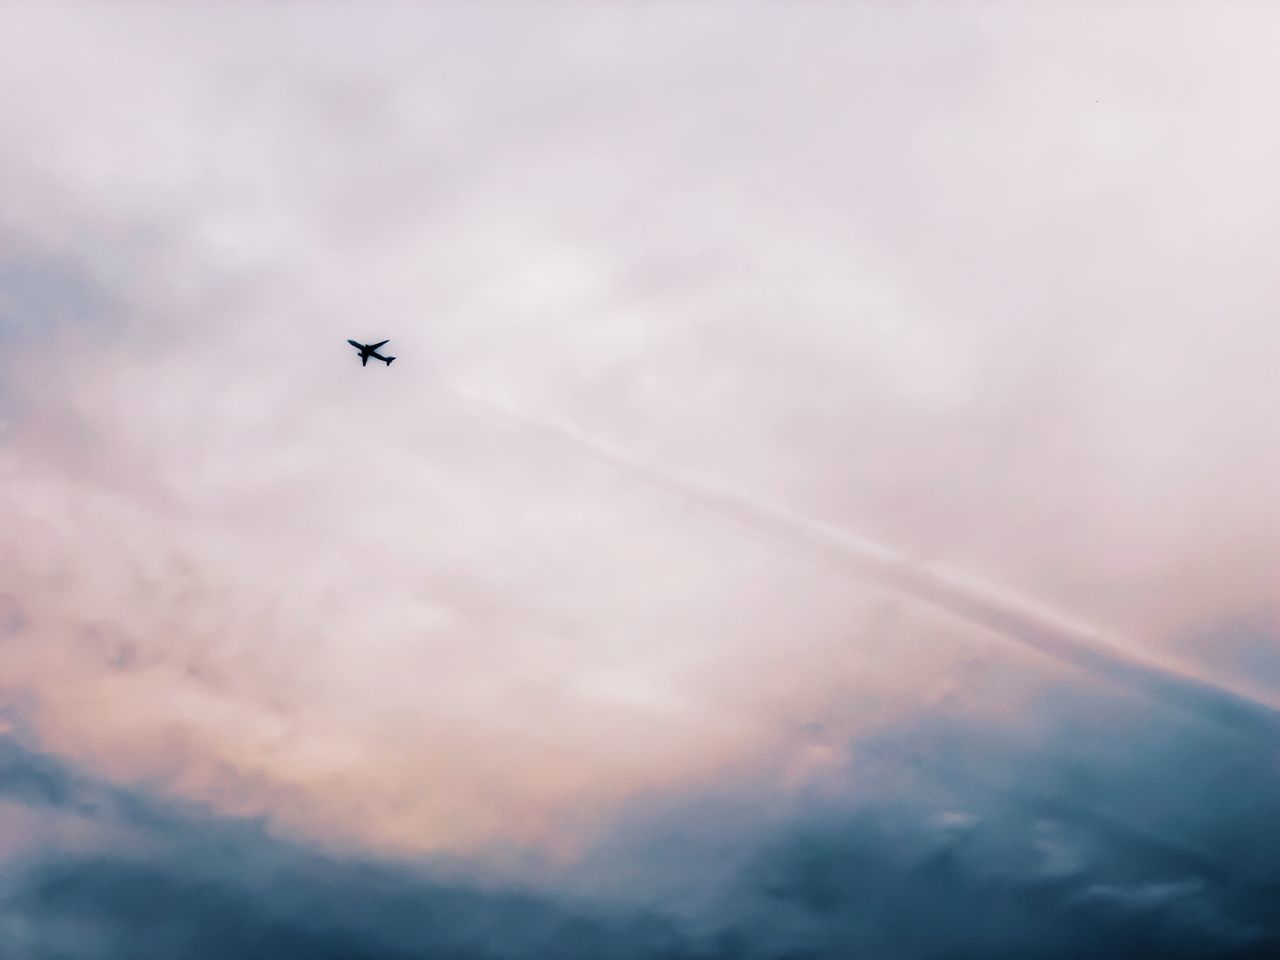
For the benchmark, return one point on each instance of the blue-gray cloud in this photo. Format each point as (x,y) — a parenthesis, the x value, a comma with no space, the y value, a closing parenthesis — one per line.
(1104,828)
(44,295)
(43,292)
(201,886)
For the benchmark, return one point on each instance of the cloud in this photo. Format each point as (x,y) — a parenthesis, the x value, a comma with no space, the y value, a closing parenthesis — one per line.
(988,292)
(1082,833)
(983,605)
(202,886)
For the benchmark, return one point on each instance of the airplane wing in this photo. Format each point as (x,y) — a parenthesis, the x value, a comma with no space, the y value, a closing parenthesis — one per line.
(358,346)
(380,343)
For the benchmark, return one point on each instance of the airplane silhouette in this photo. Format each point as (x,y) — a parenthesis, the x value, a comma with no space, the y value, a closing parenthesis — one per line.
(368,350)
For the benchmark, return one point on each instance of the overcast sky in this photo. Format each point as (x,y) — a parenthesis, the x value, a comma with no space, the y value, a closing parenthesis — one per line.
(987,288)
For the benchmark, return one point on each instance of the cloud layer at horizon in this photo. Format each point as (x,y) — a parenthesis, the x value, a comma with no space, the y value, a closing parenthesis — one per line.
(990,290)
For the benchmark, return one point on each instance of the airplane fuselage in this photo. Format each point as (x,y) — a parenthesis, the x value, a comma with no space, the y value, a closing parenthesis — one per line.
(368,350)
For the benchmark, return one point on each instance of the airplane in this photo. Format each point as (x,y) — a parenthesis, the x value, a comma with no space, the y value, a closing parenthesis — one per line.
(368,350)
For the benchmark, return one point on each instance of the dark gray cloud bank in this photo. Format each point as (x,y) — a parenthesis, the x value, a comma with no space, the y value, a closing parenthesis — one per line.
(1106,828)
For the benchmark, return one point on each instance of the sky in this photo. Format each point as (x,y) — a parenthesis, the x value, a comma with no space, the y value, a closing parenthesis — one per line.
(823,505)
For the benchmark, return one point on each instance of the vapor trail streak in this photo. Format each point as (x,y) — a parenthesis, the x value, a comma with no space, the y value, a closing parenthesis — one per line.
(980,604)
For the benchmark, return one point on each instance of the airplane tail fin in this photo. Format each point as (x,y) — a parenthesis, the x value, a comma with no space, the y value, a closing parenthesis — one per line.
(388,359)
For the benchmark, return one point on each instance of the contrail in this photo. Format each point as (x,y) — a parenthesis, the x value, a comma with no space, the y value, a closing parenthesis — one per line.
(981,604)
